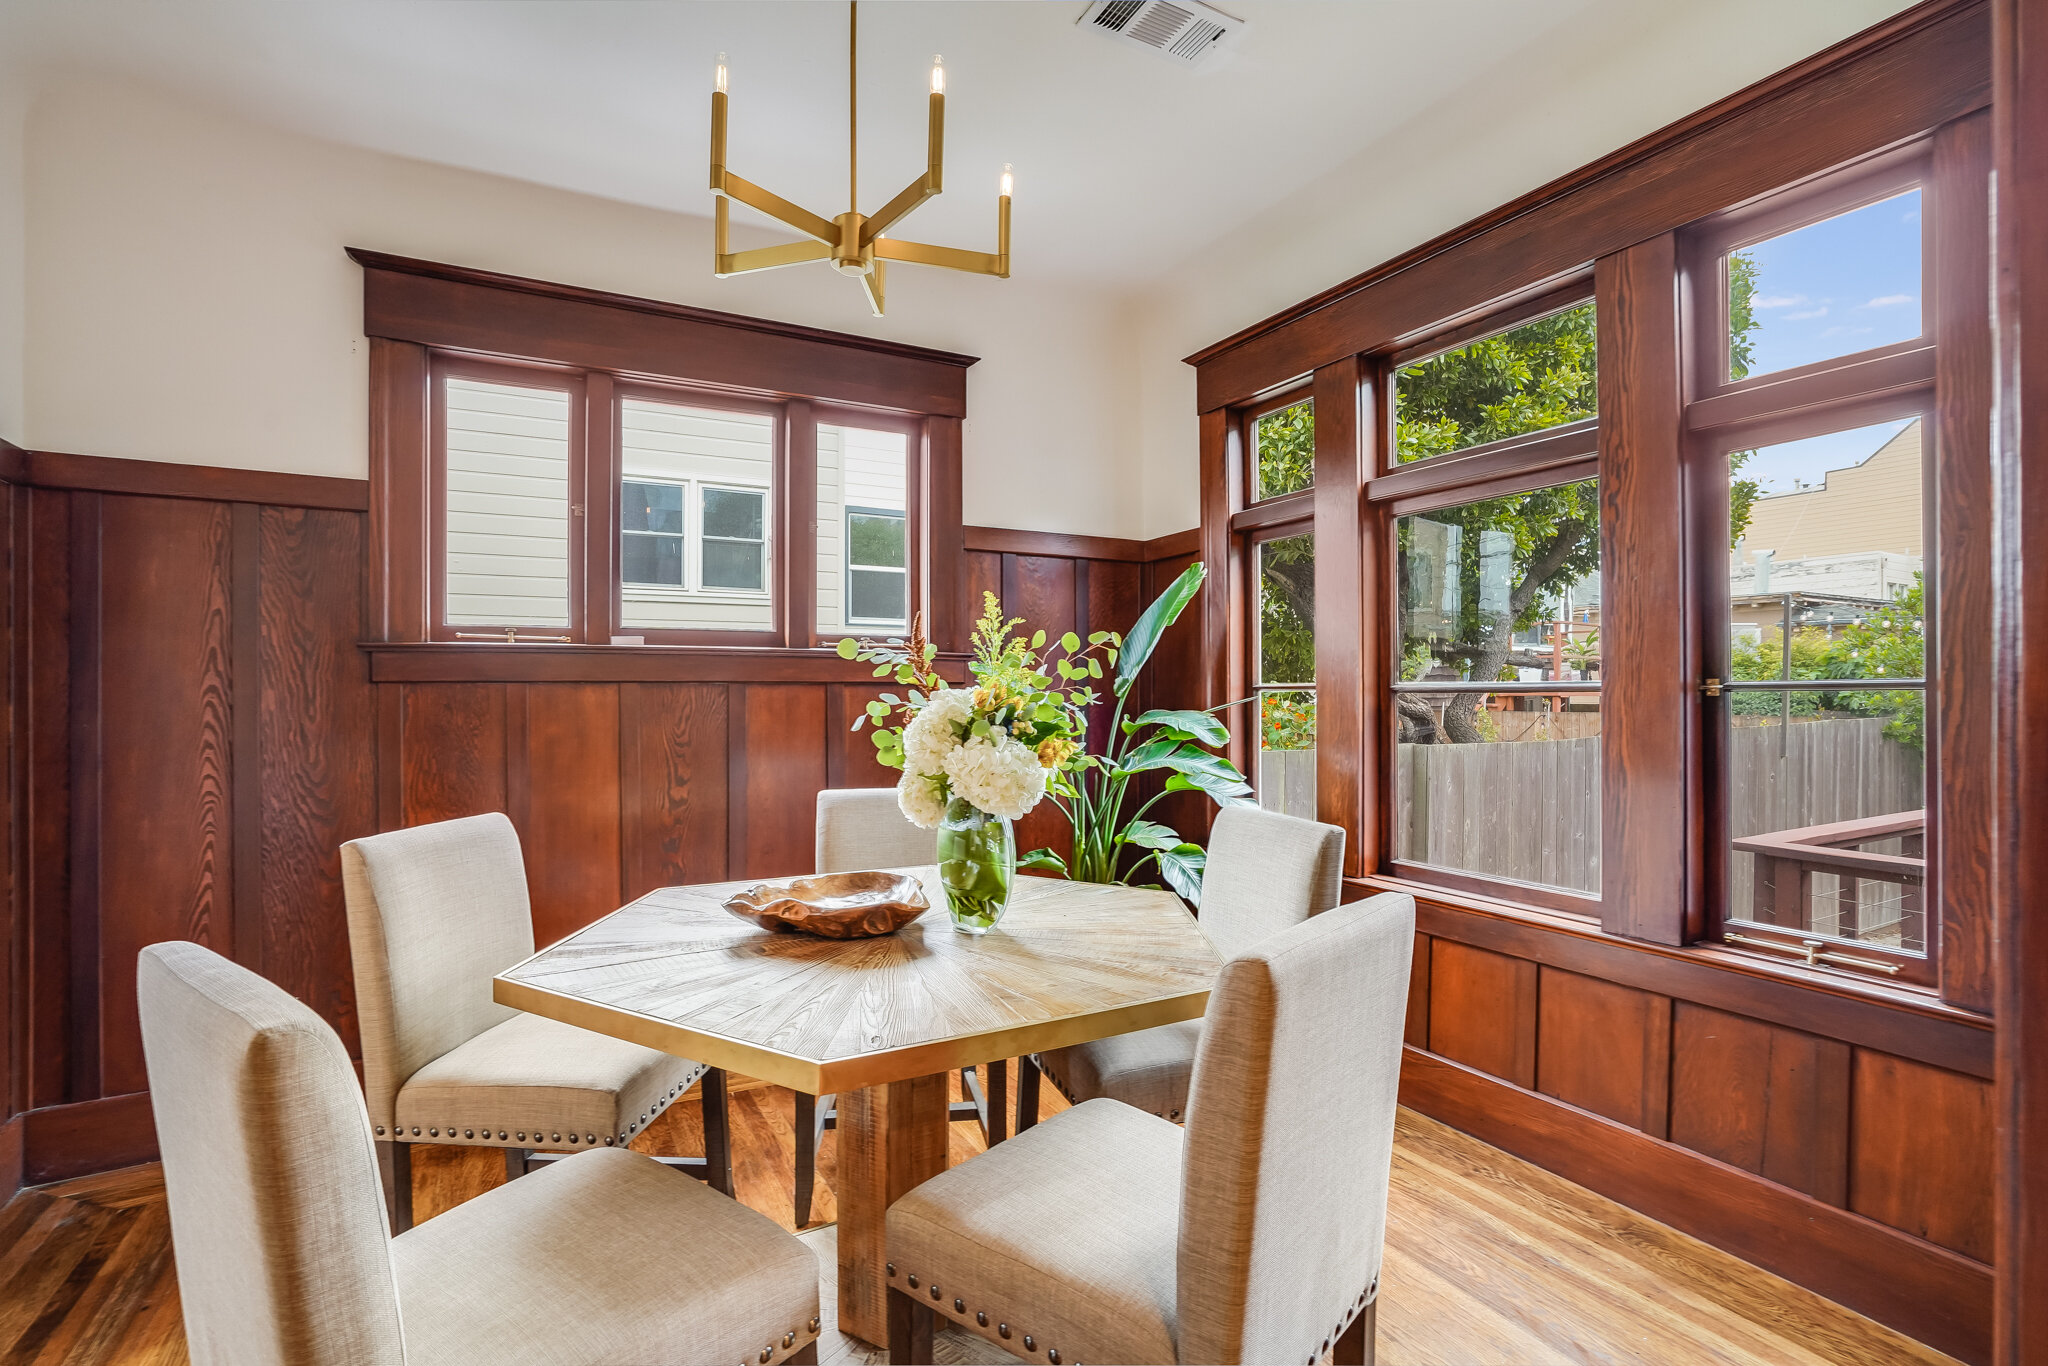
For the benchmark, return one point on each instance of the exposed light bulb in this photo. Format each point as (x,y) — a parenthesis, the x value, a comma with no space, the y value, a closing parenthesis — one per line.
(719,77)
(938,74)
(1009,181)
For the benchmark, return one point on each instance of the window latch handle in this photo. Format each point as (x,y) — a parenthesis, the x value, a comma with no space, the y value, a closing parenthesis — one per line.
(1711,688)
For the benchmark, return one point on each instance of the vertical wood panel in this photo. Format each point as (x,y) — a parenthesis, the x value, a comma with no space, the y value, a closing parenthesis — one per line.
(1042,590)
(1415,1031)
(395,582)
(778,768)
(1482,1010)
(1769,1100)
(452,750)
(673,776)
(1961,742)
(1920,1151)
(850,754)
(1646,684)
(600,500)
(981,572)
(797,570)
(1174,678)
(570,833)
(1346,653)
(1217,606)
(43,734)
(165,826)
(314,771)
(945,570)
(1605,1048)
(86,732)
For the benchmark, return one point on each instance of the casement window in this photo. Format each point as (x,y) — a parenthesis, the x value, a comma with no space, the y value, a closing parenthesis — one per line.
(551,465)
(1274,546)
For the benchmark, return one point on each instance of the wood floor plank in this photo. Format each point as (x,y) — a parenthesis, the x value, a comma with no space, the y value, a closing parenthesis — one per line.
(1490,1261)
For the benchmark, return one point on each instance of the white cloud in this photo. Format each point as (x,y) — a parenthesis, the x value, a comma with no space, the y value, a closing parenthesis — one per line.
(1889,300)
(1809,313)
(1777,300)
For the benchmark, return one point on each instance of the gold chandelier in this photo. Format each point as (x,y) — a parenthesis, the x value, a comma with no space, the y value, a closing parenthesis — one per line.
(852,242)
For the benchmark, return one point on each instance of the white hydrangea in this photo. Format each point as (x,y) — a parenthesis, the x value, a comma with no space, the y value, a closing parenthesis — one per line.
(935,731)
(998,775)
(922,799)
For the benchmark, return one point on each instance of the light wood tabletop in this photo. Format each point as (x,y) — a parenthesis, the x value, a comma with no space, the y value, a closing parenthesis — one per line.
(878,1021)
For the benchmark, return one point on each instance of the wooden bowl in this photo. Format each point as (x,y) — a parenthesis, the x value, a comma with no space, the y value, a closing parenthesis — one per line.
(834,905)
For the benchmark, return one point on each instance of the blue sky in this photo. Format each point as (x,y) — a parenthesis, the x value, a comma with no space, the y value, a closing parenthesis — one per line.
(1845,284)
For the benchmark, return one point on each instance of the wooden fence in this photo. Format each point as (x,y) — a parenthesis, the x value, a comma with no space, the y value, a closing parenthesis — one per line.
(1530,810)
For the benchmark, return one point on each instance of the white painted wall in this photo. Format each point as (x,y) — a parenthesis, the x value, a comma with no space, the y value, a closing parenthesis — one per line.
(1572,95)
(191,302)
(14,100)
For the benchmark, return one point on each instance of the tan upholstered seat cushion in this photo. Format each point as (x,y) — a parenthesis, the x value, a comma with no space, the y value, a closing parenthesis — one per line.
(533,1082)
(608,1257)
(862,827)
(1066,1233)
(1149,1069)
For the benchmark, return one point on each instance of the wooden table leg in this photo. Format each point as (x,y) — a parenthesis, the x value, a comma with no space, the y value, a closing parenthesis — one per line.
(891,1138)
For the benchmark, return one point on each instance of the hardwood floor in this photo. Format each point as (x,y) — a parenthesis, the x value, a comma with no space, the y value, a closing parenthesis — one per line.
(1489,1260)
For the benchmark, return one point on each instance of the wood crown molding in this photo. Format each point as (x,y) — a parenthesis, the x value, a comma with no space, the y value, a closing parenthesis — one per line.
(999,540)
(166,479)
(1248,376)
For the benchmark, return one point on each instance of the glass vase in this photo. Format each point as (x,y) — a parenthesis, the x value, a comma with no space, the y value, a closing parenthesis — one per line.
(977,864)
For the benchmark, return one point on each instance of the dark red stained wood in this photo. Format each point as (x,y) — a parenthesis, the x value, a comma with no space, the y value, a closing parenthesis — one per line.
(1174,679)
(1605,1048)
(1347,648)
(1482,1010)
(453,308)
(1174,545)
(167,479)
(945,569)
(43,736)
(315,772)
(453,751)
(1115,594)
(597,569)
(850,754)
(1768,1100)
(796,563)
(395,575)
(165,823)
(672,784)
(462,663)
(1920,1289)
(1648,840)
(63,1141)
(980,572)
(1009,541)
(1961,752)
(777,768)
(1920,1151)
(570,827)
(1218,604)
(1897,80)
(83,716)
(1040,589)
(2020,675)
(1416,1030)
(1897,1020)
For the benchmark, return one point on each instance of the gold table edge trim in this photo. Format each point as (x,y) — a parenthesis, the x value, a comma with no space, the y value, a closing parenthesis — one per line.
(867,1069)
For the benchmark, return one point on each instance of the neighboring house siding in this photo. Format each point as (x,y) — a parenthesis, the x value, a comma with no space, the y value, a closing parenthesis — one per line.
(859,468)
(694,447)
(508,505)
(1872,506)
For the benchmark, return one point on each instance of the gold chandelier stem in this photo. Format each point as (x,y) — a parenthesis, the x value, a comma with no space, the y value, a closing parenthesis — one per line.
(853,106)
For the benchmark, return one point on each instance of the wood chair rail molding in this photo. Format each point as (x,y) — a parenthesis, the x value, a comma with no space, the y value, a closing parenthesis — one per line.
(1898,80)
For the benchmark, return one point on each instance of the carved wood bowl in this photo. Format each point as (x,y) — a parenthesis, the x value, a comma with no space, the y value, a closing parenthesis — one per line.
(834,905)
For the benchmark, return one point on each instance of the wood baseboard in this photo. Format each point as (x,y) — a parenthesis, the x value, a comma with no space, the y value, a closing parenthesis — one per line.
(1927,1292)
(59,1142)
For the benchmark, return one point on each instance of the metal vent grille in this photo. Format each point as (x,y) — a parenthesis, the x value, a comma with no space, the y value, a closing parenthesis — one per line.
(1181,31)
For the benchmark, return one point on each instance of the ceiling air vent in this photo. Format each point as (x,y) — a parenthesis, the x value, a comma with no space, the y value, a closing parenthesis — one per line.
(1182,31)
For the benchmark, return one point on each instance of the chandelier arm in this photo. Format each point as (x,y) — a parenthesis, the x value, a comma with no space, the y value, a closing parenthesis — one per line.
(952,258)
(873,283)
(770,258)
(926,185)
(775,206)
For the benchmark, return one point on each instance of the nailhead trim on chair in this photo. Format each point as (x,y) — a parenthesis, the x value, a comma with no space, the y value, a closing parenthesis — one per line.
(789,1340)
(1052,1077)
(1365,1297)
(980,1319)
(610,1140)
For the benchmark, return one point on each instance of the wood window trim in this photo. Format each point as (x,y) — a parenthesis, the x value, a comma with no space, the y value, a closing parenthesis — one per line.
(1279,401)
(424,318)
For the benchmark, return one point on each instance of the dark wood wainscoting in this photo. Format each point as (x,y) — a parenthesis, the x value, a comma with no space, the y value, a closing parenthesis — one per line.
(199,724)
(1843,1146)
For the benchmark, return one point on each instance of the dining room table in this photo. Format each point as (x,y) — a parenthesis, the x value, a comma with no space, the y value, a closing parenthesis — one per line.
(881,1022)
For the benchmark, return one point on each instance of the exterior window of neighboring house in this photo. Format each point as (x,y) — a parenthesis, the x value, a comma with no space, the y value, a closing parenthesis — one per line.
(651,531)
(505,461)
(877,567)
(734,551)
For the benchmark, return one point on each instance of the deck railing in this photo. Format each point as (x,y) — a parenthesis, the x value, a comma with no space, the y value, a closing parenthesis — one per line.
(1789,861)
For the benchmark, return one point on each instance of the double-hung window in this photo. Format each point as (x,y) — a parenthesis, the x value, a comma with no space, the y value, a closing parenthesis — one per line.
(1275,547)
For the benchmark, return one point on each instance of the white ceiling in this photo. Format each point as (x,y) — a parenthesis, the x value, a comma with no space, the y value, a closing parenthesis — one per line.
(1125,163)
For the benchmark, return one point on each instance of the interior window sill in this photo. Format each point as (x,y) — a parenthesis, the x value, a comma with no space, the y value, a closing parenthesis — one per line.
(543,661)
(1923,1000)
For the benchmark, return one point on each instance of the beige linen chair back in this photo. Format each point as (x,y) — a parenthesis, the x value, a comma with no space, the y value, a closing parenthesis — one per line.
(862,827)
(1267,872)
(277,1225)
(434,913)
(1282,1220)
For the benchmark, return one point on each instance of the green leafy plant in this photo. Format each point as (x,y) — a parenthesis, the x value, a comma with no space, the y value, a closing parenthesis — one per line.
(1093,787)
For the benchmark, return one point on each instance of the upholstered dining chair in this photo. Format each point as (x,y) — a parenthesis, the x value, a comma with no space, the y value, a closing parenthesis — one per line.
(434,912)
(1266,872)
(284,1256)
(1108,1234)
